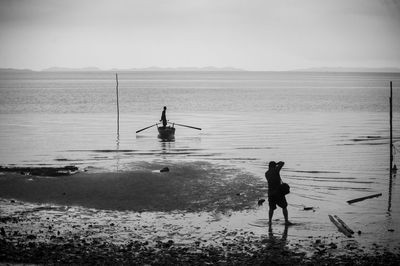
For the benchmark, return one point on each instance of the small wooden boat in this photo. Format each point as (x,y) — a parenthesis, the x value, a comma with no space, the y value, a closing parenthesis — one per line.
(167,132)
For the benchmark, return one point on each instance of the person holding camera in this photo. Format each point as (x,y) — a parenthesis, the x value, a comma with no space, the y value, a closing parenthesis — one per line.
(276,191)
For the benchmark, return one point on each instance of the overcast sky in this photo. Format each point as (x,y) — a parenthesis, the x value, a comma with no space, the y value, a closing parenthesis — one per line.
(248,34)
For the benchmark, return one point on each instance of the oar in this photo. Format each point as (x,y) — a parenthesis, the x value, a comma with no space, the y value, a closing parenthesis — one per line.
(187,126)
(145,128)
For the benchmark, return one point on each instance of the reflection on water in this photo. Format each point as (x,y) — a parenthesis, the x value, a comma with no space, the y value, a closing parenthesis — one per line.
(392,176)
(167,145)
(117,156)
(282,240)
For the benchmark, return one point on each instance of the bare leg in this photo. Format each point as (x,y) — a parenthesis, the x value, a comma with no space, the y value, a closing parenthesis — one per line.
(271,213)
(286,215)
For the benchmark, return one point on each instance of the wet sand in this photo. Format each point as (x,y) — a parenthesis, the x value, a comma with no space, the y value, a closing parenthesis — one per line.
(50,234)
(185,216)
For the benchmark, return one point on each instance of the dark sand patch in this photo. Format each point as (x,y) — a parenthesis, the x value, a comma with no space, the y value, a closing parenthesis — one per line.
(41,171)
(190,186)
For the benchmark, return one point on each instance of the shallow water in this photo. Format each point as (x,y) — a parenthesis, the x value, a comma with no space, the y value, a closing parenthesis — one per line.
(331,129)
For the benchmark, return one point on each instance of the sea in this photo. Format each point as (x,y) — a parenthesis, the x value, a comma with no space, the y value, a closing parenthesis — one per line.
(330,128)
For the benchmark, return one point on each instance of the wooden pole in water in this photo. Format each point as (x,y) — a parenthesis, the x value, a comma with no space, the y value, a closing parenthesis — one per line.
(391,131)
(391,152)
(116,77)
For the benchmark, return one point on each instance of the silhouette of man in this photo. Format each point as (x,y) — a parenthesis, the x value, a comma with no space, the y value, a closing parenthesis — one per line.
(275,197)
(164,117)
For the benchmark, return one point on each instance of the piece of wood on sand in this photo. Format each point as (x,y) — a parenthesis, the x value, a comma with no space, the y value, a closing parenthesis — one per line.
(344,224)
(340,226)
(364,198)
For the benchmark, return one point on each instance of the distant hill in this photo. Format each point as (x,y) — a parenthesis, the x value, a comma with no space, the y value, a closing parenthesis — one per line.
(96,69)
(67,69)
(352,69)
(5,70)
(210,68)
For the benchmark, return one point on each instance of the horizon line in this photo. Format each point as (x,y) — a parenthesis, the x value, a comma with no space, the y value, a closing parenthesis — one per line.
(205,69)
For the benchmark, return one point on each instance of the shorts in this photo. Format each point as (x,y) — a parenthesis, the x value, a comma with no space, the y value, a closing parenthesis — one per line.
(279,200)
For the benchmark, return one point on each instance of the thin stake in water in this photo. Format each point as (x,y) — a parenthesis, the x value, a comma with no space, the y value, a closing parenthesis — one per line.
(391,130)
(116,77)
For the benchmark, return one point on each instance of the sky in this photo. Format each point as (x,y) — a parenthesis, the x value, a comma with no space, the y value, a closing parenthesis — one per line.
(246,34)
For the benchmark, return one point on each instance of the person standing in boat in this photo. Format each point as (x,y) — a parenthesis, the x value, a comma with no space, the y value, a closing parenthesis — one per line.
(275,196)
(164,117)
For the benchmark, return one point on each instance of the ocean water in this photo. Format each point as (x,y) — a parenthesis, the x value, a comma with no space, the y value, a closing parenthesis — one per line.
(331,129)
(336,122)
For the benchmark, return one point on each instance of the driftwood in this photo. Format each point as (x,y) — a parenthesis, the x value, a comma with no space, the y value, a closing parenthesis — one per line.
(344,225)
(340,227)
(363,198)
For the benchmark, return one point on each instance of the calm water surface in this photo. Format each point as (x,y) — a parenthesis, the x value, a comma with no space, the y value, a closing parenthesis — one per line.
(331,129)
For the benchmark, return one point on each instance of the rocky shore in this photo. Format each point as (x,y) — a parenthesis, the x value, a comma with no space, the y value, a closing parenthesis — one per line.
(59,235)
(167,253)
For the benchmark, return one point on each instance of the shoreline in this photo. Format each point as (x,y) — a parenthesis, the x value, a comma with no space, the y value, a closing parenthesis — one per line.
(49,234)
(213,219)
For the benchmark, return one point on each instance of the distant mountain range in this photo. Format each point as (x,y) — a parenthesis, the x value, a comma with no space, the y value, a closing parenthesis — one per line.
(210,68)
(14,70)
(68,69)
(351,69)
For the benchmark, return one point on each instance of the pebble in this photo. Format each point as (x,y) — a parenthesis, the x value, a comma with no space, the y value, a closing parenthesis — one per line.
(165,169)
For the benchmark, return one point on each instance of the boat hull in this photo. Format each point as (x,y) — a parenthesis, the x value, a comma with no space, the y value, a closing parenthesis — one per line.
(166,132)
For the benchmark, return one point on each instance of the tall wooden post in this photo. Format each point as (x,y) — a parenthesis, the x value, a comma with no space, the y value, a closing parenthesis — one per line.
(391,151)
(116,77)
(391,130)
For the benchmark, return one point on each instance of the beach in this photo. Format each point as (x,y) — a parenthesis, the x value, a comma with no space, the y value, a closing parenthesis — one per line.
(71,235)
(73,190)
(204,221)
